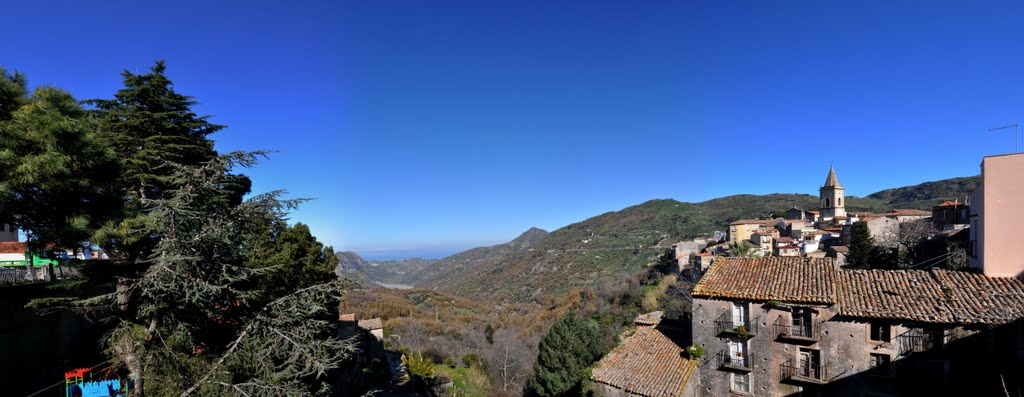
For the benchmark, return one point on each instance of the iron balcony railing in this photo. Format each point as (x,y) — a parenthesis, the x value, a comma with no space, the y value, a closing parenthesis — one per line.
(804,371)
(725,325)
(799,329)
(727,360)
(918,340)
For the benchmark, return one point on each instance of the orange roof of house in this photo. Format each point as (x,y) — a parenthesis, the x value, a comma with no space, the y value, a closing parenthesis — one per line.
(949,203)
(13,247)
(935,296)
(647,363)
(814,212)
(791,279)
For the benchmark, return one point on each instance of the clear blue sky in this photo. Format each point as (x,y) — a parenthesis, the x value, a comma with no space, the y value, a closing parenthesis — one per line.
(427,126)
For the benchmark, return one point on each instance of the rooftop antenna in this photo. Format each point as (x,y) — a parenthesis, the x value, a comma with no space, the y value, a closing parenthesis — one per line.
(1016,134)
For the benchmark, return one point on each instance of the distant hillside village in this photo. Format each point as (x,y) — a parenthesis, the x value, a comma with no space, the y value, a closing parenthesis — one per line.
(827,231)
(787,307)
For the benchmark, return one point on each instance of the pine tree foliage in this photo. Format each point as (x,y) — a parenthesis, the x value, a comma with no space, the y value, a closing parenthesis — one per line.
(153,130)
(203,325)
(564,356)
(862,247)
(13,92)
(56,174)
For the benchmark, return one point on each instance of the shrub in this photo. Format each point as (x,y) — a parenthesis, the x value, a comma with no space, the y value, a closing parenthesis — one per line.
(471,360)
(695,351)
(450,362)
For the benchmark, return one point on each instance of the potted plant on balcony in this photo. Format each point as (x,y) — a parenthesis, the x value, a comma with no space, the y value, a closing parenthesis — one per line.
(741,330)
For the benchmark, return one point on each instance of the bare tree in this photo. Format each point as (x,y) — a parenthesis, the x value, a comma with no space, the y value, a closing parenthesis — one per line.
(510,360)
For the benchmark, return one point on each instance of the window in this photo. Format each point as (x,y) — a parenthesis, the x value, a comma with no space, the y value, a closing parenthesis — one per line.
(741,383)
(880,331)
(879,363)
(839,201)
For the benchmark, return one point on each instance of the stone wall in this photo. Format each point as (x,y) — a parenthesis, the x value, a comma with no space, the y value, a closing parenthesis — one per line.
(845,350)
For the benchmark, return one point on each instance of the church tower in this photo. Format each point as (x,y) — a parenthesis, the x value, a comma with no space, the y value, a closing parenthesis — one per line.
(832,197)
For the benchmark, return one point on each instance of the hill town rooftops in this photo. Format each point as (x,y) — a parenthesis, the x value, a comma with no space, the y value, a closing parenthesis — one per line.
(647,363)
(790,279)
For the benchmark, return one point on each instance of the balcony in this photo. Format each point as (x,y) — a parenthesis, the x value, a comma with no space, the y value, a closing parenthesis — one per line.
(800,329)
(804,372)
(728,361)
(725,325)
(919,341)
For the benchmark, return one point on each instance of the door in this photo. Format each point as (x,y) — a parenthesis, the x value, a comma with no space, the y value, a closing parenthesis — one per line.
(801,322)
(739,314)
(805,363)
(809,360)
(737,353)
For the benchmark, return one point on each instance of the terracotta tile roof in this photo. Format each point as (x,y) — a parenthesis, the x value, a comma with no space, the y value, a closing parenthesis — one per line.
(347,317)
(977,298)
(791,279)
(895,294)
(908,212)
(814,212)
(950,204)
(12,247)
(935,296)
(785,239)
(371,324)
(652,318)
(754,222)
(646,363)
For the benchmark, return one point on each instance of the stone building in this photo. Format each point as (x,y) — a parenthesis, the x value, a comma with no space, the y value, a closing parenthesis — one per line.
(953,215)
(884,230)
(831,197)
(800,326)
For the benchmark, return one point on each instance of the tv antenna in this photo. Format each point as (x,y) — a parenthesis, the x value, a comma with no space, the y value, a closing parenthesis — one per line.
(1016,134)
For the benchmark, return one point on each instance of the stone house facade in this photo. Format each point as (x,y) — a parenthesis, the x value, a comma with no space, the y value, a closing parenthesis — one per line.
(801,326)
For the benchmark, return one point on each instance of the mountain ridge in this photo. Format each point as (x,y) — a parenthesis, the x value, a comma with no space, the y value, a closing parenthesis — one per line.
(616,243)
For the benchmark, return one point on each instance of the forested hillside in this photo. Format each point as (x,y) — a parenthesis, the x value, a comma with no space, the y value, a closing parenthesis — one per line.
(623,242)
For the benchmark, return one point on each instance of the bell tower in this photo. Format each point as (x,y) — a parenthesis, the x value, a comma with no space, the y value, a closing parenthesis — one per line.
(832,197)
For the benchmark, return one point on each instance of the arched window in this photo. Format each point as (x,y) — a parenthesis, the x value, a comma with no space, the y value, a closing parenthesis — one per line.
(826,203)
(839,202)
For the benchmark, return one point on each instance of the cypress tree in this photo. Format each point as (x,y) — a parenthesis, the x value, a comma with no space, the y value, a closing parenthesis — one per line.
(563,356)
(862,247)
